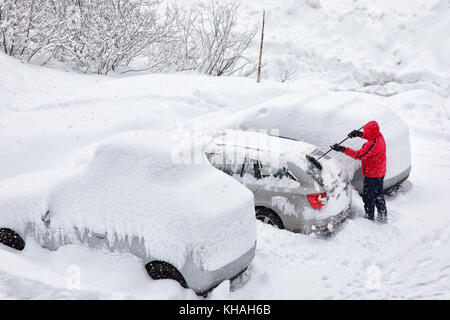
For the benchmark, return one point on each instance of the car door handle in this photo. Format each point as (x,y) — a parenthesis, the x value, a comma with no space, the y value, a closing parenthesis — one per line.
(99,235)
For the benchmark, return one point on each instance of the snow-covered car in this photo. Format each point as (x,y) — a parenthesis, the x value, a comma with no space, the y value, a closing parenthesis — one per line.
(327,118)
(290,191)
(187,222)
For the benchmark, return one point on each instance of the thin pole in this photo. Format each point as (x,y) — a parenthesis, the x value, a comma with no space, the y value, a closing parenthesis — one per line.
(261,48)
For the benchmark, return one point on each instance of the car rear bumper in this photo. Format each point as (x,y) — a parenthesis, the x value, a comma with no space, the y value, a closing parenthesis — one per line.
(330,224)
(202,281)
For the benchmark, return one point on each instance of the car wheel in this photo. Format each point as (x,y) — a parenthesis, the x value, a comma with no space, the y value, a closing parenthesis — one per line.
(158,270)
(11,239)
(267,216)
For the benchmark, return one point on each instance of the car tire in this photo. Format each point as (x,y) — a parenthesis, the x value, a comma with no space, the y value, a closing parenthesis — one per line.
(267,216)
(158,270)
(11,239)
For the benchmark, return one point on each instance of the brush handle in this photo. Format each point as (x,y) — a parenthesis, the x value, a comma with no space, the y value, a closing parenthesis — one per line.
(337,144)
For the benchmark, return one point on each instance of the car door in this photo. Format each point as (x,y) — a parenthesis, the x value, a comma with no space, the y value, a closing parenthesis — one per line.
(278,189)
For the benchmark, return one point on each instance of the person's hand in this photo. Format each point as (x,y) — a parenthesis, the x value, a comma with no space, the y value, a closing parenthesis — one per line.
(337,148)
(355,133)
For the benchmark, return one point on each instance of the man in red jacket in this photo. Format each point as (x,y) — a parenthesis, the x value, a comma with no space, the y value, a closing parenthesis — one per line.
(373,163)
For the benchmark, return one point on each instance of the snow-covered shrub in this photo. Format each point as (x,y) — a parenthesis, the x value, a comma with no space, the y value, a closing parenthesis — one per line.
(104,36)
(286,73)
(88,35)
(97,36)
(220,47)
(27,28)
(209,39)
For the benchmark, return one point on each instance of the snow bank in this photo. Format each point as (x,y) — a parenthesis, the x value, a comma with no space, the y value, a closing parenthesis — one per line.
(25,85)
(47,115)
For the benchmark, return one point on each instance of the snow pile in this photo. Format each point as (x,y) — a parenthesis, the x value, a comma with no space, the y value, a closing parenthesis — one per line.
(47,116)
(44,86)
(133,188)
(335,181)
(37,273)
(22,199)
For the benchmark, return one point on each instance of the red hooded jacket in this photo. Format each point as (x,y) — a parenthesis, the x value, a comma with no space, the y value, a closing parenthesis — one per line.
(373,152)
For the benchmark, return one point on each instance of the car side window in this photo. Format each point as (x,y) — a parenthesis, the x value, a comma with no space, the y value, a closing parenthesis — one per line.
(267,170)
(253,167)
(220,162)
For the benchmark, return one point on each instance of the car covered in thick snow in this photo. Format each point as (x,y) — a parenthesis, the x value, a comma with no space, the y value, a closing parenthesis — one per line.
(290,191)
(326,118)
(187,222)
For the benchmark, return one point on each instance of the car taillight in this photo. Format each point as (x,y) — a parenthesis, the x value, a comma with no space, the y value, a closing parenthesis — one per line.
(317,201)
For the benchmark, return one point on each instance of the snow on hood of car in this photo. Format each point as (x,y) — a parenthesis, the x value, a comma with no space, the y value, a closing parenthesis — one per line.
(133,187)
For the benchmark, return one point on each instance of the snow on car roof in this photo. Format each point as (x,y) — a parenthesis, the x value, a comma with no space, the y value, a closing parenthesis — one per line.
(262,146)
(327,118)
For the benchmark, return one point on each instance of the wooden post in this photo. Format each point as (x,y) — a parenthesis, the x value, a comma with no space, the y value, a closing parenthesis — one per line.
(261,48)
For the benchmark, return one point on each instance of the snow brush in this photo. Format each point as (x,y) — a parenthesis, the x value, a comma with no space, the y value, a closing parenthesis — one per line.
(316,162)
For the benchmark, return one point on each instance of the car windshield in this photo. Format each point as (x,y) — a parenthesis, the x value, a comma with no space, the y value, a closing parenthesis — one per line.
(315,172)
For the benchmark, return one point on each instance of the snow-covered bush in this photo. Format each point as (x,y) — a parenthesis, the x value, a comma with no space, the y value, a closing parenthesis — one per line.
(286,73)
(209,39)
(27,28)
(205,39)
(111,33)
(96,36)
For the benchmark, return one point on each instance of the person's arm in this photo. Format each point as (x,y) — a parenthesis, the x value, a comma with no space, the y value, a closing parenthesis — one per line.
(363,153)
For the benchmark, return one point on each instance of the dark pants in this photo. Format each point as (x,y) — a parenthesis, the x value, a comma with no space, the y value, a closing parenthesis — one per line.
(373,197)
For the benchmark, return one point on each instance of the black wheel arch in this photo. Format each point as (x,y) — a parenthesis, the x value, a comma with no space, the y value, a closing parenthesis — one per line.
(271,214)
(12,239)
(158,270)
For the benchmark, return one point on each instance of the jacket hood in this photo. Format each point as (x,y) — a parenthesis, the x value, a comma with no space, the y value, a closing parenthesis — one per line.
(371,130)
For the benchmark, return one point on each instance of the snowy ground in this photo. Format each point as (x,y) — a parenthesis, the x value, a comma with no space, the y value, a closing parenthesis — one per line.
(48,116)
